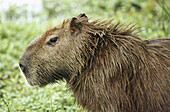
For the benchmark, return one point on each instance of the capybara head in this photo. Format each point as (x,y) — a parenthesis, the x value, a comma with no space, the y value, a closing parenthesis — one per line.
(54,55)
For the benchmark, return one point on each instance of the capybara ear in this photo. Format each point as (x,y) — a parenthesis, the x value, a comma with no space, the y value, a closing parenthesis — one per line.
(83,17)
(75,26)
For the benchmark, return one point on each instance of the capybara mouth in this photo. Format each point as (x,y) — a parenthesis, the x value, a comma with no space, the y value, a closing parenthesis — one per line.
(36,84)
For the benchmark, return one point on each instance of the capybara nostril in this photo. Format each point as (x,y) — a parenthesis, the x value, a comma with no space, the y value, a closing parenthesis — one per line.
(23,68)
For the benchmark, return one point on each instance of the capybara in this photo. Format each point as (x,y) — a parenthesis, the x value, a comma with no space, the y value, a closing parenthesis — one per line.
(106,65)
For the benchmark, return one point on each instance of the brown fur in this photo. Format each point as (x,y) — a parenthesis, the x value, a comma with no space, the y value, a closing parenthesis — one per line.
(162,42)
(106,65)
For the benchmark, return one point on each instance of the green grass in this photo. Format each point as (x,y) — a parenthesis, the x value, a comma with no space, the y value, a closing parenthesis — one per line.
(16,95)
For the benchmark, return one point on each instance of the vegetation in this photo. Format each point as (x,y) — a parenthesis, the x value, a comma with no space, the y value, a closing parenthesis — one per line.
(17,30)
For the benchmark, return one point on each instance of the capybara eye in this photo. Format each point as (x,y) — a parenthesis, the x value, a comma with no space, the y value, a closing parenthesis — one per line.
(52,41)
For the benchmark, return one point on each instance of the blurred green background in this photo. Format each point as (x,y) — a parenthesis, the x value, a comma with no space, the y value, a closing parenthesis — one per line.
(19,25)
